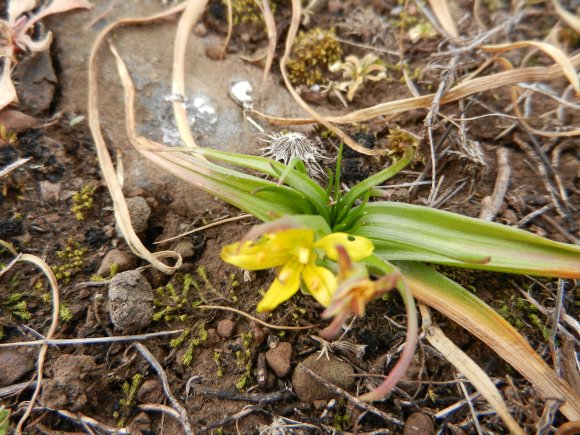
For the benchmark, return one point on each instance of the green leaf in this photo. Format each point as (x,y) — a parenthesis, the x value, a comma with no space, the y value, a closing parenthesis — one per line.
(411,232)
(455,302)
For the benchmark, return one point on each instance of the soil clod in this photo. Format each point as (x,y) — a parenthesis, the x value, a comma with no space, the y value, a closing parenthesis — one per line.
(131,301)
(332,370)
(279,358)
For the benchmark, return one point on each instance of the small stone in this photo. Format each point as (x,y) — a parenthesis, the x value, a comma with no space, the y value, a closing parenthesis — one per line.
(273,341)
(15,365)
(319,405)
(150,392)
(419,424)
(226,328)
(35,83)
(50,192)
(130,301)
(116,257)
(214,52)
(200,30)
(185,248)
(139,211)
(279,358)
(335,371)
(259,334)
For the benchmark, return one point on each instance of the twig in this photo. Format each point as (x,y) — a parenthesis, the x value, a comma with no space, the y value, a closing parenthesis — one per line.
(90,341)
(183,418)
(255,319)
(6,170)
(471,408)
(555,323)
(351,398)
(530,216)
(276,396)
(493,203)
(38,262)
(205,227)
(83,420)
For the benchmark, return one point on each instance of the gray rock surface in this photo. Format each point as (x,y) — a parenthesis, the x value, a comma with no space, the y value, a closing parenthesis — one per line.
(14,365)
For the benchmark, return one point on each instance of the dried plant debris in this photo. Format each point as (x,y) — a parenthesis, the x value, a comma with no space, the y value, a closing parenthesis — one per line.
(288,147)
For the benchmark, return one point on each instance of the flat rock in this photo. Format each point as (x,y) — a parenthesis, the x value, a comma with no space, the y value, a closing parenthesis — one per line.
(130,301)
(335,371)
(279,358)
(116,257)
(15,365)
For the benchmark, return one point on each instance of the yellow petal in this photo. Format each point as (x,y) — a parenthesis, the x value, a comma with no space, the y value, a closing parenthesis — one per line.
(358,248)
(254,256)
(320,282)
(281,291)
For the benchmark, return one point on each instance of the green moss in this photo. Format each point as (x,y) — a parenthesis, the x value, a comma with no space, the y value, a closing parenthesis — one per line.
(127,403)
(83,202)
(248,12)
(244,360)
(313,52)
(70,261)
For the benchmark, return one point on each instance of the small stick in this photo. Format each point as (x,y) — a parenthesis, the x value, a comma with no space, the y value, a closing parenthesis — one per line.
(471,408)
(276,396)
(13,166)
(247,410)
(493,203)
(183,418)
(351,398)
(93,340)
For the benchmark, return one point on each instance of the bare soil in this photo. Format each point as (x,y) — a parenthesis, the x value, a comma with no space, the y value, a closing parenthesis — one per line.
(216,370)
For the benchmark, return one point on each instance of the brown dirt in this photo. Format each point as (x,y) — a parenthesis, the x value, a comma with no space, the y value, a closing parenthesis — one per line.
(36,217)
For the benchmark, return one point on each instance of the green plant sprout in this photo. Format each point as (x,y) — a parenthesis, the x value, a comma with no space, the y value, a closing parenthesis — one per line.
(127,403)
(244,360)
(83,202)
(4,420)
(356,71)
(403,238)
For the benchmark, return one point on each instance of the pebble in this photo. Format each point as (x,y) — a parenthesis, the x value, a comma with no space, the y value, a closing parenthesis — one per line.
(130,301)
(36,82)
(115,256)
(212,338)
(279,358)
(50,192)
(214,52)
(226,328)
(150,392)
(139,211)
(259,334)
(15,365)
(185,248)
(334,371)
(419,424)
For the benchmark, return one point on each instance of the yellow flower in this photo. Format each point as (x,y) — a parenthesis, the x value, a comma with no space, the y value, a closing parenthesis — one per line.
(355,290)
(296,252)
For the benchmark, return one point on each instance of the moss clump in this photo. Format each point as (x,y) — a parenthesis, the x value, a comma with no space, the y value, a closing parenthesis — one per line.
(248,12)
(244,360)
(127,403)
(83,202)
(313,52)
(70,261)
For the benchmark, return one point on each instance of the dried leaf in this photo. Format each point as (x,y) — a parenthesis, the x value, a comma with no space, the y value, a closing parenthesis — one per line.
(59,6)
(554,52)
(441,10)
(7,90)
(19,7)
(474,374)
(572,20)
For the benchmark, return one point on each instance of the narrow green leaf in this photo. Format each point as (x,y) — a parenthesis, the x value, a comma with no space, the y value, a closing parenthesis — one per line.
(455,302)
(411,232)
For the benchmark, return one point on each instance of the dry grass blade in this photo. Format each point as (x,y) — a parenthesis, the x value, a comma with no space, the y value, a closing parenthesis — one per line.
(272,36)
(190,16)
(569,18)
(441,10)
(462,362)
(230,18)
(294,24)
(465,89)
(255,319)
(105,162)
(7,89)
(554,52)
(41,264)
